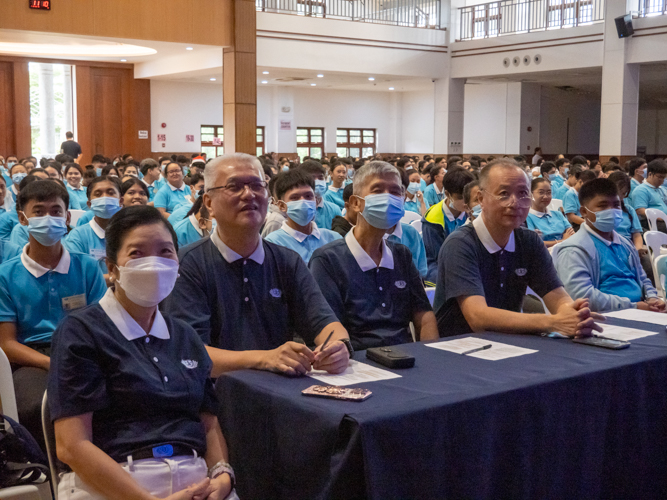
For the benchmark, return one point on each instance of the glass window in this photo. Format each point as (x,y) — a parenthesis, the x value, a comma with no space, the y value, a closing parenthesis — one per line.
(355,142)
(310,142)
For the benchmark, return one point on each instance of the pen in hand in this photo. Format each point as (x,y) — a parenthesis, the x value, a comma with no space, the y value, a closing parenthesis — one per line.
(483,348)
(324,346)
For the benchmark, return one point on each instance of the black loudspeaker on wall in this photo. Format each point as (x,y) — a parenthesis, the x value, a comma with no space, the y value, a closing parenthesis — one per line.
(624,26)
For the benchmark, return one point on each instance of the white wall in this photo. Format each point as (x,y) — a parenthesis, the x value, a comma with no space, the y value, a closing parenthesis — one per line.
(583,111)
(485,118)
(418,115)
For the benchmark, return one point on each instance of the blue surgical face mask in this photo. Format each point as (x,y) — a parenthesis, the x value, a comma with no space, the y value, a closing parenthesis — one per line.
(105,207)
(477,210)
(98,171)
(301,211)
(607,220)
(17,178)
(566,172)
(10,164)
(554,176)
(383,210)
(644,173)
(47,230)
(285,168)
(320,188)
(350,172)
(413,187)
(186,170)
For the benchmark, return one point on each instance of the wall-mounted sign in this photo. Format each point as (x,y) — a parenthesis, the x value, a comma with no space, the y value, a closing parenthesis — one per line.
(143,134)
(189,138)
(40,4)
(217,141)
(285,125)
(162,137)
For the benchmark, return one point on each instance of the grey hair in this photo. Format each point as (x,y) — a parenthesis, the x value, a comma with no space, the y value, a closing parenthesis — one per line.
(373,169)
(228,159)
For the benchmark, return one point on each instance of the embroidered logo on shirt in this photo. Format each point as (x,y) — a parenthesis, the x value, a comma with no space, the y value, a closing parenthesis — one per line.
(400,284)
(190,364)
(521,271)
(275,293)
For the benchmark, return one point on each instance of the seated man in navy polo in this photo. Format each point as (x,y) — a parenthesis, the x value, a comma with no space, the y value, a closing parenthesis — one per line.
(248,298)
(372,283)
(485,267)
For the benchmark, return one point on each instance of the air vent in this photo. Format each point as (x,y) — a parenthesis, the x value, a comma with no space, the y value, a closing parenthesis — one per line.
(291,79)
(566,88)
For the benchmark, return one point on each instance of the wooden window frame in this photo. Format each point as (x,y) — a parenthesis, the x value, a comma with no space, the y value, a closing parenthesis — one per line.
(361,145)
(310,144)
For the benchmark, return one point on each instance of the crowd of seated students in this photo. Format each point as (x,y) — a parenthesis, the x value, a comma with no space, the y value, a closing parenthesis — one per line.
(182,269)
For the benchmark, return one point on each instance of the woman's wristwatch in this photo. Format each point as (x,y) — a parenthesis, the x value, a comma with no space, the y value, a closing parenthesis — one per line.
(220,468)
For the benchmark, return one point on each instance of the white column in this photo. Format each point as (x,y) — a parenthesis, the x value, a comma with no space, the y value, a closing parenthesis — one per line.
(394,143)
(620,90)
(453,138)
(47,113)
(67,99)
(529,133)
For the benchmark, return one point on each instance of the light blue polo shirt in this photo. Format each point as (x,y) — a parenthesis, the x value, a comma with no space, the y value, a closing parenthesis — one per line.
(634,183)
(412,206)
(36,298)
(559,192)
(154,188)
(552,224)
(326,211)
(335,195)
(410,237)
(85,218)
(571,202)
(168,197)
(20,236)
(11,189)
(616,274)
(89,239)
(180,213)
(78,197)
(187,231)
(8,251)
(422,185)
(432,196)
(630,223)
(452,223)
(7,222)
(557,182)
(303,244)
(647,196)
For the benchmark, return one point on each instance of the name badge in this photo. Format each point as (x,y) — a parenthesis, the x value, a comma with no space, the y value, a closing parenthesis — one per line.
(97,253)
(74,302)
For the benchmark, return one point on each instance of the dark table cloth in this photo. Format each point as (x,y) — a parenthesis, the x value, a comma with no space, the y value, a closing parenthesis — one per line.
(570,421)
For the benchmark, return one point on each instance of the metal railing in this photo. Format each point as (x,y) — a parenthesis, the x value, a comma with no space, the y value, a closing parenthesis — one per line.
(411,13)
(524,16)
(650,8)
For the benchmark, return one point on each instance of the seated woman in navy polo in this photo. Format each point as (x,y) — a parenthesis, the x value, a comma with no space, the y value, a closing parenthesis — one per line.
(130,389)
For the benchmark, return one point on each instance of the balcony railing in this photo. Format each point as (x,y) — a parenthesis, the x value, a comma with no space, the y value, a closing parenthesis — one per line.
(412,13)
(650,8)
(509,16)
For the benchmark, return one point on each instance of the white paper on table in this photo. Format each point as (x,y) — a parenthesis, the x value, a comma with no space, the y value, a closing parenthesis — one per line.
(496,352)
(624,333)
(654,318)
(355,373)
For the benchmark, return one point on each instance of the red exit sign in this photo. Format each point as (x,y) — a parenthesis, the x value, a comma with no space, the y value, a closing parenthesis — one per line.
(40,4)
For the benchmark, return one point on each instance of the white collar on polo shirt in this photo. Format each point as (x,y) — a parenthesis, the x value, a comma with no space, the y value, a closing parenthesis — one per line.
(9,203)
(182,188)
(363,259)
(97,229)
(147,184)
(487,240)
(614,236)
(448,213)
(231,256)
(37,270)
(441,191)
(126,324)
(320,203)
(398,232)
(14,190)
(334,189)
(195,224)
(298,235)
(539,214)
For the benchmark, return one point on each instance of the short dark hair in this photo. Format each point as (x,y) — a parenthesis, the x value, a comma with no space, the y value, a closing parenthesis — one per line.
(456,179)
(587,176)
(70,166)
(41,190)
(312,167)
(98,159)
(347,192)
(546,167)
(467,190)
(292,179)
(148,164)
(596,187)
(634,164)
(580,160)
(69,135)
(133,182)
(620,179)
(196,178)
(657,166)
(537,181)
(109,168)
(614,159)
(610,167)
(102,178)
(575,171)
(197,208)
(561,161)
(127,219)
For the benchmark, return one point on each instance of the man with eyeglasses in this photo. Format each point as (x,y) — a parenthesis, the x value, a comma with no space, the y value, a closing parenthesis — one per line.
(485,267)
(249,298)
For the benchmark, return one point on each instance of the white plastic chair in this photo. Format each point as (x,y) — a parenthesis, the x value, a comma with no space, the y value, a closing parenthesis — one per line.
(653,214)
(417,224)
(654,241)
(74,216)
(659,276)
(409,216)
(555,204)
(7,394)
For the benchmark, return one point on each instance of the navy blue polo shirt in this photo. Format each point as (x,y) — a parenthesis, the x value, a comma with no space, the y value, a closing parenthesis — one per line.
(239,304)
(467,267)
(375,303)
(142,392)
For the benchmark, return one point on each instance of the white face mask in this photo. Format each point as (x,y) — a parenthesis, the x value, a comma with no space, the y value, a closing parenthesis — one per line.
(149,280)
